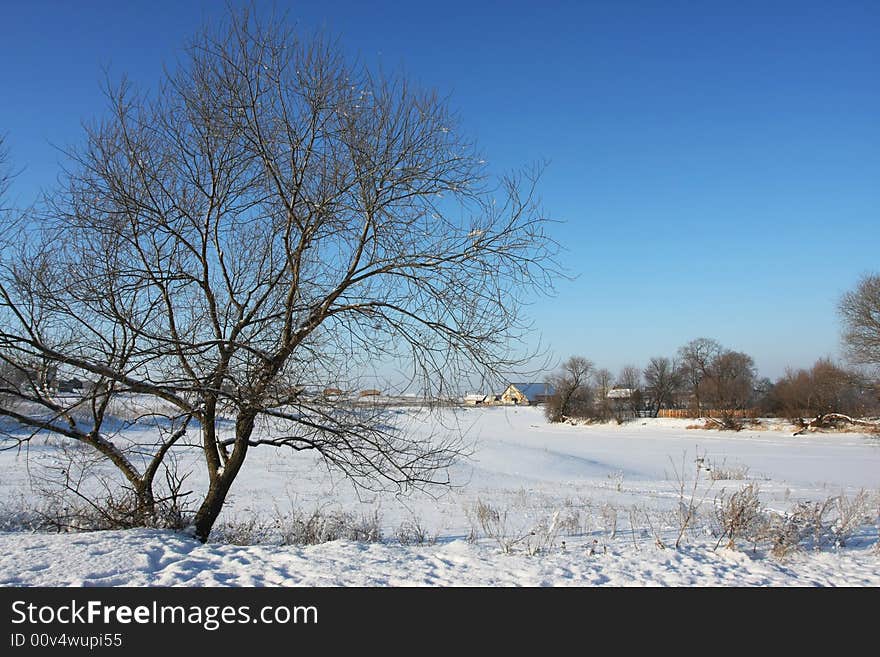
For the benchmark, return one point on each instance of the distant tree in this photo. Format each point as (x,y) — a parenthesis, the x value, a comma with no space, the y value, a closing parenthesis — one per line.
(275,215)
(663,380)
(825,388)
(729,381)
(603,381)
(573,396)
(860,313)
(791,394)
(695,360)
(835,389)
(630,377)
(764,395)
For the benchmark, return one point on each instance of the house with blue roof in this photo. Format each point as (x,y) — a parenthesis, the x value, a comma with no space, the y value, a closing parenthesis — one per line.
(527,394)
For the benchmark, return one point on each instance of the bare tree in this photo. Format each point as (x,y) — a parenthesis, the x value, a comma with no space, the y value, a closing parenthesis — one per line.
(630,378)
(729,381)
(603,380)
(274,219)
(662,382)
(860,313)
(826,388)
(573,395)
(695,359)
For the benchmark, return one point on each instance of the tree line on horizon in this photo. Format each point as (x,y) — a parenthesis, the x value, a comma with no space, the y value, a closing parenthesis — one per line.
(704,376)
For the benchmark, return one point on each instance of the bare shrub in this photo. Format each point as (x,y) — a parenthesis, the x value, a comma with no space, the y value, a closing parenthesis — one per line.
(321,528)
(495,524)
(111,511)
(543,536)
(810,518)
(783,532)
(299,528)
(688,501)
(570,521)
(724,472)
(617,478)
(253,530)
(739,515)
(877,525)
(655,525)
(851,513)
(609,520)
(633,514)
(77,494)
(413,532)
(829,522)
(23,516)
(486,520)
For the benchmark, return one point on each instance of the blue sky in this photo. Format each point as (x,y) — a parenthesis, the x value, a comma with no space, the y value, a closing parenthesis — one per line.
(716,165)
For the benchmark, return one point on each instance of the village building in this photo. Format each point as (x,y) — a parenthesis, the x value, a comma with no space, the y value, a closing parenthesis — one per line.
(527,394)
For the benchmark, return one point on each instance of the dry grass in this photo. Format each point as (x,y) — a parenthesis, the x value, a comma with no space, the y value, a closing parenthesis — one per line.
(725,472)
(299,528)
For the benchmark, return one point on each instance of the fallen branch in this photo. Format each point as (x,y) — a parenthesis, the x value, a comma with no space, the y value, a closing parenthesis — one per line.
(825,420)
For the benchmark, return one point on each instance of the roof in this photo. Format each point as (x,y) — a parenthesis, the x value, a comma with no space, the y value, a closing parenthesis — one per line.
(620,393)
(532,391)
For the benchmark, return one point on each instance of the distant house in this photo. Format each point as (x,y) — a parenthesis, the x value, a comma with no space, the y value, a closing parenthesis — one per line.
(527,393)
(370,392)
(620,393)
(70,385)
(476,399)
(332,393)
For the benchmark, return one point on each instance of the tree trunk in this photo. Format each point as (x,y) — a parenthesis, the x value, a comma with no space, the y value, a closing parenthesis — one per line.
(146,502)
(211,506)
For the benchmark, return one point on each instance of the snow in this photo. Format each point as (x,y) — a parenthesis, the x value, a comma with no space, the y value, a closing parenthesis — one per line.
(524,467)
(157,558)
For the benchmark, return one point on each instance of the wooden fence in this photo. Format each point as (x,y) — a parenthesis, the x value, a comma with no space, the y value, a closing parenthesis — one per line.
(707,412)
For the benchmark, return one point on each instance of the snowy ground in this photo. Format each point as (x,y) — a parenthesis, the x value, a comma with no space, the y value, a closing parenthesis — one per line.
(154,558)
(614,489)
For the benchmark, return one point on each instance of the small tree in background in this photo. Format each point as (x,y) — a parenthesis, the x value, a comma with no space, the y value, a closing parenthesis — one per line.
(630,377)
(663,381)
(694,362)
(602,405)
(729,380)
(824,388)
(573,396)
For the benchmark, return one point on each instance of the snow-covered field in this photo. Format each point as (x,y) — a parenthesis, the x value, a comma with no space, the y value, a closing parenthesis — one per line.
(590,502)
